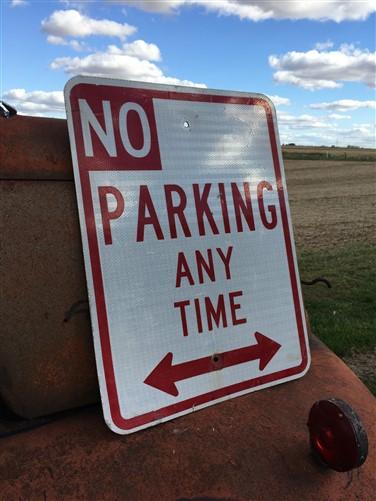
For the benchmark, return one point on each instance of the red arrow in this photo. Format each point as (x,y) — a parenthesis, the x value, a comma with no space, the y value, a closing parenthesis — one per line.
(165,375)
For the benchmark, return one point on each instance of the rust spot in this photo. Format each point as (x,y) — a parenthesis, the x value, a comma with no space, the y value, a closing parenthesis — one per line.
(207,499)
(35,148)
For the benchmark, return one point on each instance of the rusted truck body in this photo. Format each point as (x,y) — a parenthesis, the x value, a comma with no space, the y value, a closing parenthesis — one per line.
(254,447)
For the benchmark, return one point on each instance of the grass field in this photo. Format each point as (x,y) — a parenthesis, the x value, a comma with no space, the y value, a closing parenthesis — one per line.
(333,212)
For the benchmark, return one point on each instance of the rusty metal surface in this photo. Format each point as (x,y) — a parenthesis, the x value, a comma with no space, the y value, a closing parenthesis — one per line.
(253,447)
(34,148)
(46,364)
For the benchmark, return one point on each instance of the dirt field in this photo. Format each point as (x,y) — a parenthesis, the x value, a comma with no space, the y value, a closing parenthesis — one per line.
(332,202)
(333,209)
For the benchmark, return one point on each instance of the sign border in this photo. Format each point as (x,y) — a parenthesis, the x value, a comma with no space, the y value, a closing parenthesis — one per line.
(106,375)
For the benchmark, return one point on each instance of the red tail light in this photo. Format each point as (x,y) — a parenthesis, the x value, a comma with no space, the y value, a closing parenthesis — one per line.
(338,438)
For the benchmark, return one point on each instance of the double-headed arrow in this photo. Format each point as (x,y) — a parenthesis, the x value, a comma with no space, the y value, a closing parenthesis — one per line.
(165,375)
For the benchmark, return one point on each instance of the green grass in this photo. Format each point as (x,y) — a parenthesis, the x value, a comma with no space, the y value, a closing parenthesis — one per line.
(344,316)
(371,384)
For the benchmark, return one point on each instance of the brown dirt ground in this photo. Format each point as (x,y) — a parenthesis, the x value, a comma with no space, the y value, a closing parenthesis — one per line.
(334,202)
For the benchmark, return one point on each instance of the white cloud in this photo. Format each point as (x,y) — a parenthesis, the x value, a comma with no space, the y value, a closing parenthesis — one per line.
(310,130)
(324,45)
(54,40)
(315,69)
(343,105)
(139,49)
(121,62)
(339,137)
(74,4)
(18,3)
(302,121)
(358,135)
(71,23)
(36,103)
(337,116)
(280,101)
(74,44)
(163,6)
(259,10)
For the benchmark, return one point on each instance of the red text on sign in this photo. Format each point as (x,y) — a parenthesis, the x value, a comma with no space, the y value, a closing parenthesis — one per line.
(116,133)
(216,313)
(221,214)
(204,265)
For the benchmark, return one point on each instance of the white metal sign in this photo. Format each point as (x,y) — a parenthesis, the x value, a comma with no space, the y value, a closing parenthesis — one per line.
(191,269)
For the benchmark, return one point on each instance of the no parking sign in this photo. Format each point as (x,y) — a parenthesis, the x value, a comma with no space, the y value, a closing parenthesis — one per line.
(191,269)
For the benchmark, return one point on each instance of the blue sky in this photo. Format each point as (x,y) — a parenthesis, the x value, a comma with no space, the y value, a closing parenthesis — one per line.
(315,59)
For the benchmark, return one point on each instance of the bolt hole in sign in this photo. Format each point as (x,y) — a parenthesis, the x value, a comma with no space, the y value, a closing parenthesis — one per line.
(191,269)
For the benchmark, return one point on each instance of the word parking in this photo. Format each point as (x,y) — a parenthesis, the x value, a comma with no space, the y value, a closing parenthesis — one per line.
(204,221)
